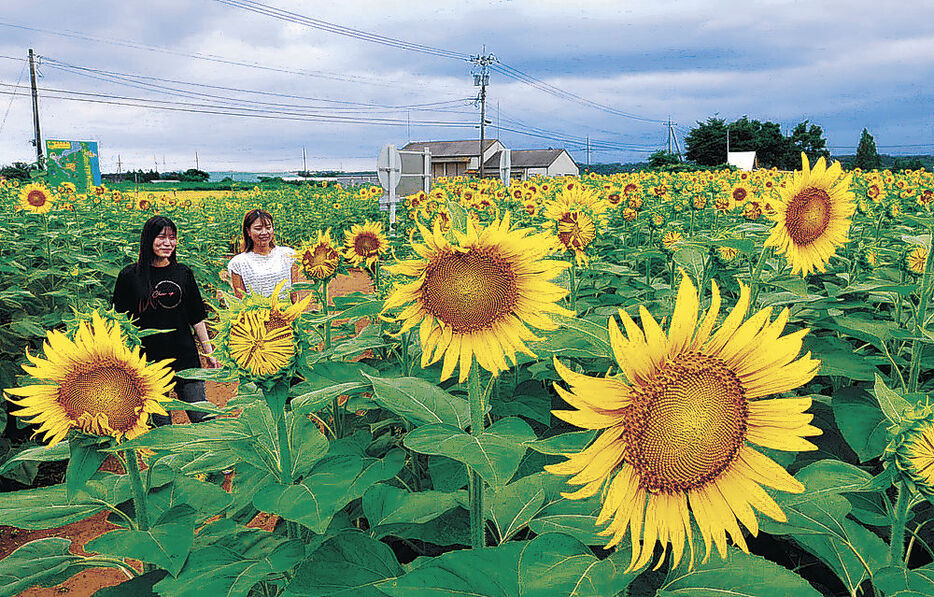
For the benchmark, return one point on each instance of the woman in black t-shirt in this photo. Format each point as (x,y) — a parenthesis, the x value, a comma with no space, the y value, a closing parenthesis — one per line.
(161,293)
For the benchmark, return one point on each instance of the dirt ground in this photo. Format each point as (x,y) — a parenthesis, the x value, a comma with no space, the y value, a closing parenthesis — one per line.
(85,584)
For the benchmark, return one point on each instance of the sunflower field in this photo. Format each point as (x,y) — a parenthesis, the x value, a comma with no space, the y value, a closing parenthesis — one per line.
(710,383)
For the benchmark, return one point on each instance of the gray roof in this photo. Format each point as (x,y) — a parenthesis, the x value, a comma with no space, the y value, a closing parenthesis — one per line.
(450,149)
(527,158)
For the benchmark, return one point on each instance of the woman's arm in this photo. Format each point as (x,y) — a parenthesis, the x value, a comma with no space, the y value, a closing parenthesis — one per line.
(201,331)
(236,282)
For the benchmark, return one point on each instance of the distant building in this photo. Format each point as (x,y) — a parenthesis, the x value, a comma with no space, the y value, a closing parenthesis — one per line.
(527,163)
(744,160)
(461,158)
(457,158)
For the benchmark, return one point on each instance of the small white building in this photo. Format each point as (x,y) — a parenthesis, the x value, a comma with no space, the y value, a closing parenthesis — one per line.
(744,160)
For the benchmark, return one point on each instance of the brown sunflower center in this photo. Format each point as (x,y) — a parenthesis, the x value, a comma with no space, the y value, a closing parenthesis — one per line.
(469,291)
(739,194)
(104,388)
(688,426)
(576,230)
(808,215)
(36,198)
(365,244)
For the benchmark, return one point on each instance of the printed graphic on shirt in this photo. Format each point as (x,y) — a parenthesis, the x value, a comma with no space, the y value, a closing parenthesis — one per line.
(167,294)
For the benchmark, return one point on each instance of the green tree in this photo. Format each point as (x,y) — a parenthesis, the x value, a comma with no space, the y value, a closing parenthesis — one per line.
(807,139)
(662,158)
(19,170)
(867,158)
(706,143)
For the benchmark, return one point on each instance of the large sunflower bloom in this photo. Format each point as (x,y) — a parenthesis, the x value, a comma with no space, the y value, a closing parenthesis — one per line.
(258,338)
(35,198)
(364,244)
(95,383)
(677,426)
(576,214)
(478,296)
(812,216)
(319,258)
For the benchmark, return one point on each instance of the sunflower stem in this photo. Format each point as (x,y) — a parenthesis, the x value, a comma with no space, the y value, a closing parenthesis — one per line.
(897,540)
(139,493)
(475,394)
(914,369)
(573,286)
(755,278)
(285,452)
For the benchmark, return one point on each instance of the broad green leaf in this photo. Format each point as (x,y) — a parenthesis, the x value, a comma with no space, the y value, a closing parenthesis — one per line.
(190,437)
(316,400)
(739,575)
(331,373)
(530,399)
(891,403)
(513,506)
(207,374)
(166,544)
(43,562)
(495,454)
(861,421)
(566,443)
(86,459)
(450,529)
(490,572)
(446,474)
(577,518)
(43,508)
(307,443)
(817,521)
(419,401)
(557,564)
(140,586)
(60,451)
(385,504)
(893,580)
(205,499)
(837,358)
(201,407)
(692,259)
(350,565)
(218,571)
(564,342)
(595,334)
(334,482)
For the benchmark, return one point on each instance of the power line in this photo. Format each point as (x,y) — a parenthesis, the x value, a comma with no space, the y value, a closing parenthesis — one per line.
(358,34)
(98,98)
(142,82)
(12,97)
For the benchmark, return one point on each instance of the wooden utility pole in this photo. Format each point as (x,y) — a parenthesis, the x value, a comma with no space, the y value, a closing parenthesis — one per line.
(35,110)
(481,79)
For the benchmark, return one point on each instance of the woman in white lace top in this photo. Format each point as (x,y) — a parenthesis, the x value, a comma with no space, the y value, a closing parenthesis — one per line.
(262,264)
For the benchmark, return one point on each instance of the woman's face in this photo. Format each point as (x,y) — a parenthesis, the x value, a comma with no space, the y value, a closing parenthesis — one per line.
(164,244)
(261,232)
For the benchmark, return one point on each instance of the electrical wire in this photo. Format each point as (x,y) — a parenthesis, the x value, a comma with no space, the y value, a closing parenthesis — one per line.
(12,97)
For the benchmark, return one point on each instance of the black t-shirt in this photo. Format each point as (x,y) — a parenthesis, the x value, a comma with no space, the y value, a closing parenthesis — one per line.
(174,304)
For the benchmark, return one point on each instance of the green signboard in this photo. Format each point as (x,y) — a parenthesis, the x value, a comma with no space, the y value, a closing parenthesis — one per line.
(75,162)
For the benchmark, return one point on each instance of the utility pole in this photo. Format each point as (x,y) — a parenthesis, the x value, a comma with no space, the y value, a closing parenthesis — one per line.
(481,78)
(304,162)
(728,144)
(669,133)
(119,166)
(197,163)
(588,150)
(35,110)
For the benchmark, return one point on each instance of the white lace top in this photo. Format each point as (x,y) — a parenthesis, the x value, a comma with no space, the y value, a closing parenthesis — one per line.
(261,273)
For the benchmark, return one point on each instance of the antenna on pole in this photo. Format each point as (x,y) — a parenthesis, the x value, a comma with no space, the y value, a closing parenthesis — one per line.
(481,78)
(35,110)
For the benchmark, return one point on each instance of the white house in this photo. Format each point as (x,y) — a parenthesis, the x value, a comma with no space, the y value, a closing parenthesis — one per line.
(457,158)
(527,163)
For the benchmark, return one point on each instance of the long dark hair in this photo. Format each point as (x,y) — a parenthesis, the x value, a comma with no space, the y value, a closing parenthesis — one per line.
(248,219)
(151,229)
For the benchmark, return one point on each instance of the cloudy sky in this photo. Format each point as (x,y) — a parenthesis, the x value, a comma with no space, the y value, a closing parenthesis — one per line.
(247,85)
